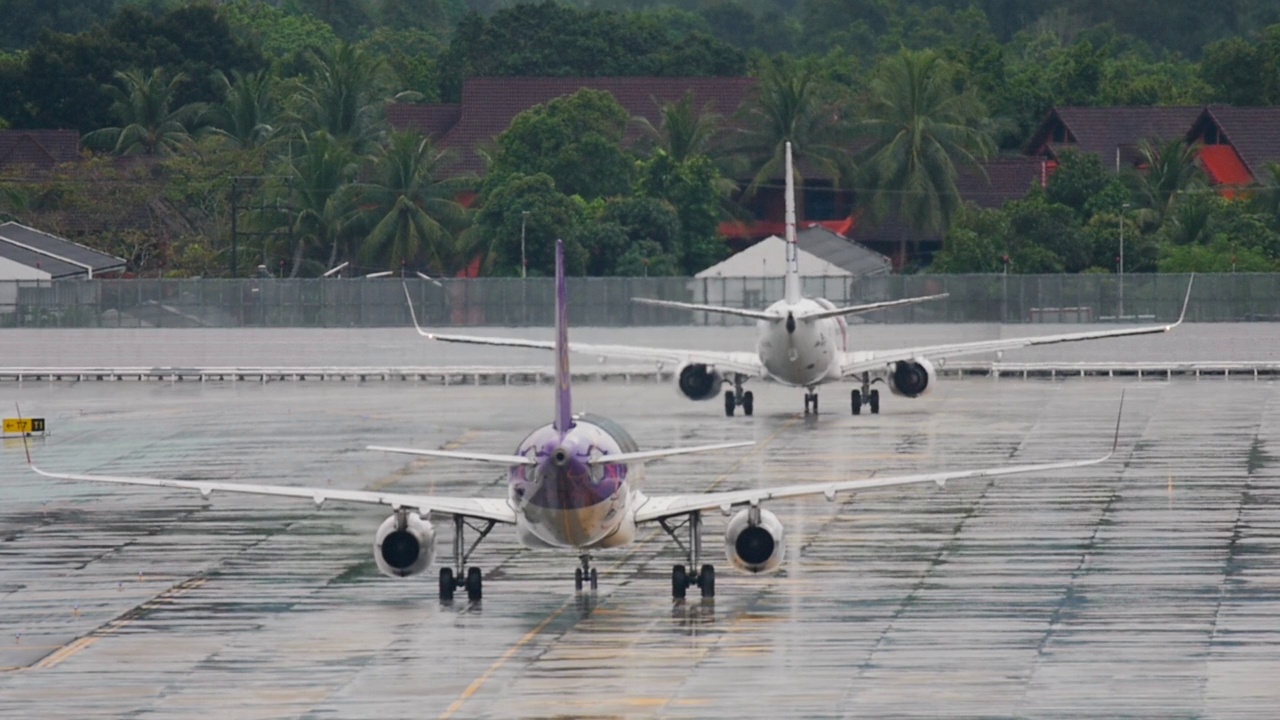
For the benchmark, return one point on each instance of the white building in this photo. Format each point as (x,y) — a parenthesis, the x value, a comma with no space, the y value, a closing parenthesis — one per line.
(830,264)
(30,258)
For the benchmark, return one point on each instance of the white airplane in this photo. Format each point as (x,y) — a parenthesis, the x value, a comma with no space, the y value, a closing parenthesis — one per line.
(802,342)
(574,484)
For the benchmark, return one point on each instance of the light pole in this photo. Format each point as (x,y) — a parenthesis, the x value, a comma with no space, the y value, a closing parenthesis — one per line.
(524,266)
(1123,210)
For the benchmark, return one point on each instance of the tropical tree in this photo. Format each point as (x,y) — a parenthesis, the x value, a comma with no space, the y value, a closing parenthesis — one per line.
(246,116)
(149,125)
(1170,170)
(920,126)
(412,214)
(344,96)
(685,130)
(794,105)
(320,197)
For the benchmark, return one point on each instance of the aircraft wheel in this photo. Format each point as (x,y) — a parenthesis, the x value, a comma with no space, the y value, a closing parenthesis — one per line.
(473,583)
(856,401)
(815,403)
(875,402)
(707,581)
(577,579)
(447,584)
(595,579)
(748,403)
(728,403)
(679,582)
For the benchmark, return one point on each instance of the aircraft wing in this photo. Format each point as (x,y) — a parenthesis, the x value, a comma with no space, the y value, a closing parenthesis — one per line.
(860,362)
(479,508)
(660,507)
(744,363)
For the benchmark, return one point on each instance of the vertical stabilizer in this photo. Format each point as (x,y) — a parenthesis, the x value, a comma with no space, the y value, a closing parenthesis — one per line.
(791,287)
(564,404)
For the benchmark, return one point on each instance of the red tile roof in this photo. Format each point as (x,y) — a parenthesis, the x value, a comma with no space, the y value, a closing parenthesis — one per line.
(1105,130)
(41,149)
(1254,132)
(489,104)
(1224,166)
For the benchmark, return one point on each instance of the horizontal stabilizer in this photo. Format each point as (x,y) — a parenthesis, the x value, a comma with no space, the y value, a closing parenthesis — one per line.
(720,309)
(508,460)
(646,455)
(869,307)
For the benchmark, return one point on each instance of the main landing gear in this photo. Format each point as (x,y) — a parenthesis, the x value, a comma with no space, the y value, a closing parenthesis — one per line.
(585,574)
(452,578)
(682,579)
(810,401)
(865,396)
(738,398)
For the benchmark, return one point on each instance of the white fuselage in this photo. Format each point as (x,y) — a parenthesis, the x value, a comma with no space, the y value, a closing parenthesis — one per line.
(802,353)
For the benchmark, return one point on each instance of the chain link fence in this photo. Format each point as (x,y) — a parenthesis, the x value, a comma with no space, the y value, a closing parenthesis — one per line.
(603,302)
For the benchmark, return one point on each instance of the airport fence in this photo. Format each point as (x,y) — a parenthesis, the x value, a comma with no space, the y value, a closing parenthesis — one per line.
(364,302)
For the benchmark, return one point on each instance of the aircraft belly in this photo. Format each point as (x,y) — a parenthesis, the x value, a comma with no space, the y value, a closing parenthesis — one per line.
(574,527)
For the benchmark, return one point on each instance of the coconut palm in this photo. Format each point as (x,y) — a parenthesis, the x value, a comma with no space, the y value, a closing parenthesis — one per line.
(794,105)
(412,216)
(1171,170)
(919,126)
(344,96)
(684,130)
(247,115)
(320,197)
(143,103)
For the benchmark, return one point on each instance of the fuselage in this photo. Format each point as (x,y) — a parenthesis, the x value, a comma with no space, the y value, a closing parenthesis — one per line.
(566,501)
(802,352)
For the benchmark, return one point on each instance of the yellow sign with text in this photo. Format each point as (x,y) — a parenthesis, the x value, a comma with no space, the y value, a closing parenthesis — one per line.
(23,426)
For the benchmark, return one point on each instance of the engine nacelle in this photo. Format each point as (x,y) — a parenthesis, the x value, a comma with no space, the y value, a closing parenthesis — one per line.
(753,541)
(404,545)
(912,378)
(698,382)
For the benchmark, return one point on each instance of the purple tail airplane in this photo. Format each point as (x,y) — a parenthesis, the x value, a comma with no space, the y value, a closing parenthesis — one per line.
(575,485)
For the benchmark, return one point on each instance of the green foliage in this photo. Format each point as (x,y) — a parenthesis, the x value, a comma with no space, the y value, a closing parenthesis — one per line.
(693,188)
(549,39)
(344,95)
(1079,177)
(1046,237)
(350,19)
(921,125)
(1219,256)
(142,102)
(575,140)
(412,56)
(978,241)
(26,19)
(64,76)
(551,215)
(283,37)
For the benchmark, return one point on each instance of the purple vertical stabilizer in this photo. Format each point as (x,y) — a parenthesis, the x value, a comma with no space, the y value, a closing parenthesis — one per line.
(564,403)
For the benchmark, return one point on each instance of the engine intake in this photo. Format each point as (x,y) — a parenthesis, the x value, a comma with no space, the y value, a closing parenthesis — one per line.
(912,378)
(698,382)
(404,545)
(753,541)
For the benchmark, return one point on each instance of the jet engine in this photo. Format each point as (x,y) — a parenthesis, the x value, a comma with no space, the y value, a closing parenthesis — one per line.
(699,382)
(753,541)
(912,378)
(404,545)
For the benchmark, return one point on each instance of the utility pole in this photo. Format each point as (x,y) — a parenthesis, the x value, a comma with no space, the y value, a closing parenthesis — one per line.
(1124,209)
(524,265)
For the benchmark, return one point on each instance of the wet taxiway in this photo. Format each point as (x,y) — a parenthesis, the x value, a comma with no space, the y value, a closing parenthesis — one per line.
(1145,587)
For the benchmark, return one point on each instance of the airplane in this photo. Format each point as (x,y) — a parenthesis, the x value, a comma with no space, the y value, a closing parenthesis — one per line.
(802,342)
(574,484)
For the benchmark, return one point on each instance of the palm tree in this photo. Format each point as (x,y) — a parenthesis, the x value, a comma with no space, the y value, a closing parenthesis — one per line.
(685,130)
(143,106)
(321,198)
(794,105)
(1171,170)
(920,125)
(245,117)
(412,215)
(343,97)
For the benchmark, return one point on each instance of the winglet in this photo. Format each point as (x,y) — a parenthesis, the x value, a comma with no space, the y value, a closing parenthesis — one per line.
(26,444)
(1185,302)
(564,405)
(413,315)
(1115,442)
